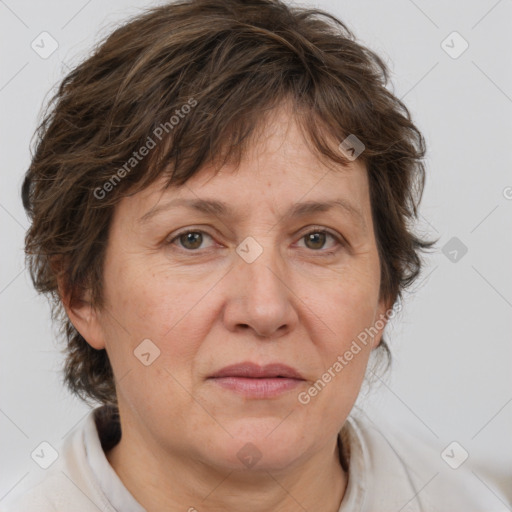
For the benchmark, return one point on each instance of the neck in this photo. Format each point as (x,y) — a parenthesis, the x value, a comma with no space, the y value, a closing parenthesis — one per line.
(163,482)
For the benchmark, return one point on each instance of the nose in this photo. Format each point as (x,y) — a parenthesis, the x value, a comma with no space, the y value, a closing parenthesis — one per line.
(261,298)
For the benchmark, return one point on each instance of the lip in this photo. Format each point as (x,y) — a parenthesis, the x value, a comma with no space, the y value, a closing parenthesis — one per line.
(255,371)
(254,381)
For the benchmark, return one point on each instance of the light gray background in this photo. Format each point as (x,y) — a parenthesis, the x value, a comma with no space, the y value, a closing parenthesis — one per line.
(452,376)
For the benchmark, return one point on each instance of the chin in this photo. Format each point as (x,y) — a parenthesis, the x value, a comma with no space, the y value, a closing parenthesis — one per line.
(261,444)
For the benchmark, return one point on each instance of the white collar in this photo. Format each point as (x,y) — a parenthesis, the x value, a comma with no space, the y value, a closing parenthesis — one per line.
(107,479)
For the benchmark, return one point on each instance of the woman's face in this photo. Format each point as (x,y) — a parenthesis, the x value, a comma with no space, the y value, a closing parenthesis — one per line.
(245,287)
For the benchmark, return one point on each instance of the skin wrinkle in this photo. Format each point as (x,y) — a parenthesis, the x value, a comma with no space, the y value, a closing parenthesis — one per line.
(199,93)
(193,84)
(181,433)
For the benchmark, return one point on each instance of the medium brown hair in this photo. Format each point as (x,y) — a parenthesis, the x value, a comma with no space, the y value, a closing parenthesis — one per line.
(200,73)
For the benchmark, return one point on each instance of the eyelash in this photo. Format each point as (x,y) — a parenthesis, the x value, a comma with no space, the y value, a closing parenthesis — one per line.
(315,230)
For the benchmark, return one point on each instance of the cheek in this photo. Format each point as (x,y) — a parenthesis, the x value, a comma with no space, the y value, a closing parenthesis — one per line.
(351,311)
(345,313)
(147,305)
(346,306)
(346,310)
(139,295)
(152,302)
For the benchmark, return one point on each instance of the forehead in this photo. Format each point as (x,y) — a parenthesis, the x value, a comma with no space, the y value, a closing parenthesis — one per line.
(279,172)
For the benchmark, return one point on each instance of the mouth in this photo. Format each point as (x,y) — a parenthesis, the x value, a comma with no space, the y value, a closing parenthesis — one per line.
(254,381)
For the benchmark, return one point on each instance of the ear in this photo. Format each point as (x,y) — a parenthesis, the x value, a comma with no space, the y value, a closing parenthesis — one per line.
(84,317)
(380,321)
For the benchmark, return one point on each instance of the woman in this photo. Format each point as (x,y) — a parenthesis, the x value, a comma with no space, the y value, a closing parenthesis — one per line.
(221,199)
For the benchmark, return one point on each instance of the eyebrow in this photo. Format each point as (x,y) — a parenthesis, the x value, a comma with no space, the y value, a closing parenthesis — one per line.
(221,209)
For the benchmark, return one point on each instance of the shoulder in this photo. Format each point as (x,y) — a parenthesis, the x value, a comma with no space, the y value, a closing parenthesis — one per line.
(410,471)
(32,499)
(50,494)
(68,484)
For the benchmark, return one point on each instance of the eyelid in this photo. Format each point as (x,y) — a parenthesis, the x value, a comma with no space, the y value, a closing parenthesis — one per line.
(340,239)
(321,229)
(308,230)
(169,240)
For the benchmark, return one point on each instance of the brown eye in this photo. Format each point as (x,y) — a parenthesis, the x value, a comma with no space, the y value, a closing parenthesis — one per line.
(315,240)
(190,240)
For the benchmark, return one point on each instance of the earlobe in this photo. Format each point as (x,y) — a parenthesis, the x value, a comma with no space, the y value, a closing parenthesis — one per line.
(84,317)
